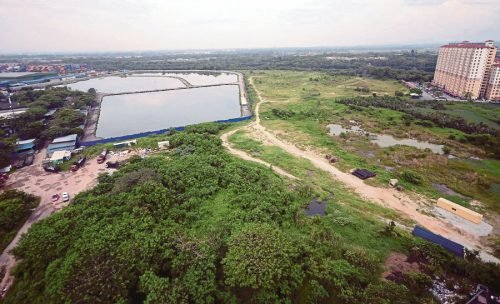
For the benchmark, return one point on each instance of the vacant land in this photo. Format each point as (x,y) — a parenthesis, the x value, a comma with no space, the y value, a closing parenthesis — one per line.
(302,118)
(298,86)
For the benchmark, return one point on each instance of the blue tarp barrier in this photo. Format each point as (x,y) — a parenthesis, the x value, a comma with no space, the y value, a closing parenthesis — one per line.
(449,245)
(158,132)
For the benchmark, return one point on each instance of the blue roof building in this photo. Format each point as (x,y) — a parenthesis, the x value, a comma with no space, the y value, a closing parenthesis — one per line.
(24,146)
(65,143)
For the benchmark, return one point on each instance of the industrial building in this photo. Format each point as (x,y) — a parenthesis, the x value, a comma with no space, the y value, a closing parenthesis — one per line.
(10,79)
(65,143)
(25,146)
(464,69)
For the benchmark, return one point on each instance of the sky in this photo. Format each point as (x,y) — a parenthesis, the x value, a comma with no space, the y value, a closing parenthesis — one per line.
(134,25)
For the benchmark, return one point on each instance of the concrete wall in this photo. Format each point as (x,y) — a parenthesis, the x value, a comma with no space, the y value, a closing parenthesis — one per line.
(459,210)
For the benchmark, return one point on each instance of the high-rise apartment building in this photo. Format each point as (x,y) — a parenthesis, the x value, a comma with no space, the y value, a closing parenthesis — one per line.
(464,69)
(493,90)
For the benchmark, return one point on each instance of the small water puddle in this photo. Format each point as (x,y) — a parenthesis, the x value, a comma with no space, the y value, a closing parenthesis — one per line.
(316,207)
(384,140)
(447,191)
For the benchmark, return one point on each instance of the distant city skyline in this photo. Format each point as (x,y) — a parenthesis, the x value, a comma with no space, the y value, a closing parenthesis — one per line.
(35,26)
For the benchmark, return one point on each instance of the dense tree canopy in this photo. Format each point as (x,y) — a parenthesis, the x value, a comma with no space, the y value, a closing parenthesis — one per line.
(196,225)
(15,207)
(261,256)
(34,124)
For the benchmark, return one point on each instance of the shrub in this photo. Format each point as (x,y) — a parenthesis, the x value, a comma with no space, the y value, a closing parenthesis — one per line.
(412,177)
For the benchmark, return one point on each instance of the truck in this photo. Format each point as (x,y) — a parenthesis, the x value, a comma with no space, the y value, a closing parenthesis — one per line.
(102,157)
(78,164)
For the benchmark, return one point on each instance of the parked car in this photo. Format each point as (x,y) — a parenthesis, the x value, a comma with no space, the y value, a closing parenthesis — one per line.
(53,169)
(55,197)
(102,157)
(77,150)
(78,164)
(65,196)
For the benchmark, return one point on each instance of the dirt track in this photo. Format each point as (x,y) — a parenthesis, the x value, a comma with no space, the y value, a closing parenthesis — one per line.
(402,202)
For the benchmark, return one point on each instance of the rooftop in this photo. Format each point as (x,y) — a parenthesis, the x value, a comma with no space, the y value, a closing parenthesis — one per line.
(60,147)
(9,75)
(59,155)
(26,141)
(66,138)
(23,145)
(467,44)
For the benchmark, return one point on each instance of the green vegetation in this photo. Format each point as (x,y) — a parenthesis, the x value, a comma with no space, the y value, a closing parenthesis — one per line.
(412,177)
(65,121)
(412,66)
(15,208)
(196,225)
(303,119)
(439,118)
(297,86)
(6,148)
(33,123)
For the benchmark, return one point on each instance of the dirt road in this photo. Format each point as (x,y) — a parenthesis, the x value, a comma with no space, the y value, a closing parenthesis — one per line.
(34,180)
(245,156)
(404,203)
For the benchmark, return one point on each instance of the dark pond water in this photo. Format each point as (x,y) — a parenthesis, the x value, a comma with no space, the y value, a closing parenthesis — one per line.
(316,207)
(136,113)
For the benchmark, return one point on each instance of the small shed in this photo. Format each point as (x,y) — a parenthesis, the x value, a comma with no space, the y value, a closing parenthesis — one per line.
(455,248)
(25,145)
(60,156)
(461,211)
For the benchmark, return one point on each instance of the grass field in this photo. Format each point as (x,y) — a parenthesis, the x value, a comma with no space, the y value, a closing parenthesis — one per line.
(488,114)
(298,86)
(349,215)
(303,118)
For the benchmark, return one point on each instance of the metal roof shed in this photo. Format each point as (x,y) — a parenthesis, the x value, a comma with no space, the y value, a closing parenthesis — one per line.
(24,145)
(66,138)
(60,147)
(449,245)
